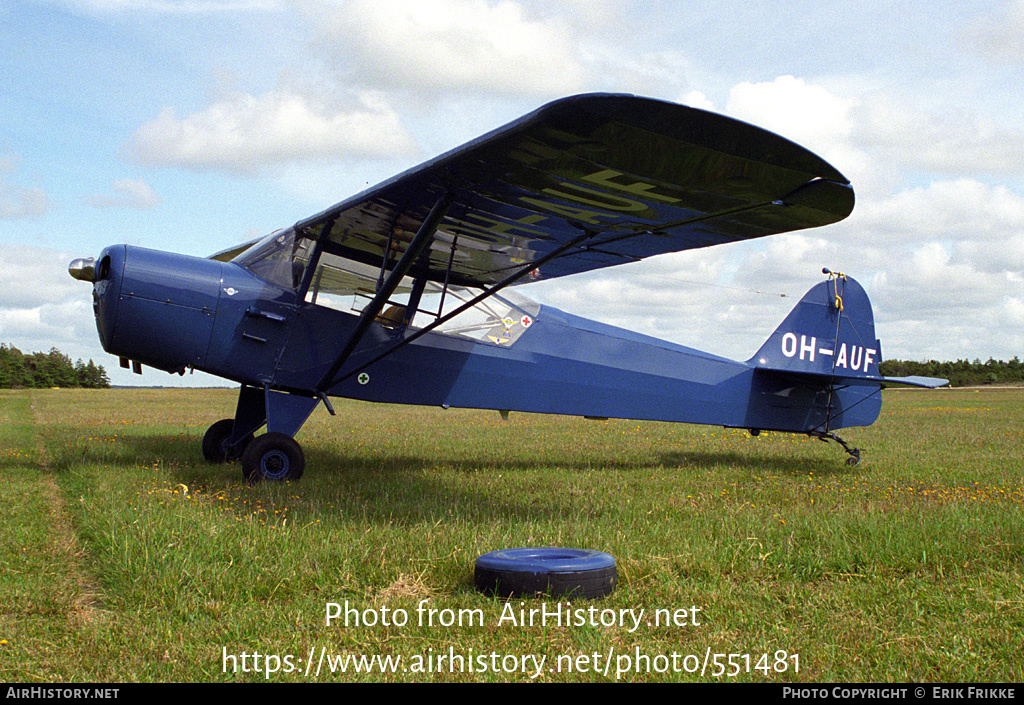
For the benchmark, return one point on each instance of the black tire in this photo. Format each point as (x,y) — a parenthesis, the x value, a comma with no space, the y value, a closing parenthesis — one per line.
(273,456)
(573,572)
(215,448)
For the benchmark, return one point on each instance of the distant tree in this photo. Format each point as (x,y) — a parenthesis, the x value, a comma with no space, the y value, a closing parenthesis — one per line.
(960,373)
(52,369)
(12,367)
(95,377)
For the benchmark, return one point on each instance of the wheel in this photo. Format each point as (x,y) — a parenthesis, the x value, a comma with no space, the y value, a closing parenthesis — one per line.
(273,456)
(577,572)
(215,448)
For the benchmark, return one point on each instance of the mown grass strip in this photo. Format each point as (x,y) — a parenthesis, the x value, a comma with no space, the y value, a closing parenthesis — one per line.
(45,591)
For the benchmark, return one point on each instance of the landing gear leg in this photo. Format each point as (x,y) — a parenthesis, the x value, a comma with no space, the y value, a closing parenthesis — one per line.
(854,453)
(275,455)
(226,440)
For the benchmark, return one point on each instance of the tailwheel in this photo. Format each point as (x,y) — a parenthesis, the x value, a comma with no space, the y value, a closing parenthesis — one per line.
(273,456)
(216,448)
(854,453)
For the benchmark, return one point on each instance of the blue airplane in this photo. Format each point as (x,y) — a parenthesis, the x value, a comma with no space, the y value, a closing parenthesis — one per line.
(401,294)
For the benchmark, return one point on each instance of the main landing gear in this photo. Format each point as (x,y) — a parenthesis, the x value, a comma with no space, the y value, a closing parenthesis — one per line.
(274,455)
(271,456)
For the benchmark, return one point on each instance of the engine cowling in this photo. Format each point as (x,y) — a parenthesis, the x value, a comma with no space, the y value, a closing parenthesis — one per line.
(157,308)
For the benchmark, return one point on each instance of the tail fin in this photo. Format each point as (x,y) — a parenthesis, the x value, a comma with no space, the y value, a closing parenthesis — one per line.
(830,334)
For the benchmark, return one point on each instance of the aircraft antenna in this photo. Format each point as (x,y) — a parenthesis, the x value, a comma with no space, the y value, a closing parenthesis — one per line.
(731,287)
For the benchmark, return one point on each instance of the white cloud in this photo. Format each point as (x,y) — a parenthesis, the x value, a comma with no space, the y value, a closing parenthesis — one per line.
(43,307)
(696,99)
(19,201)
(243,133)
(808,114)
(946,262)
(46,326)
(41,277)
(127,193)
(996,255)
(1013,309)
(946,301)
(789,261)
(964,210)
(473,45)
(952,142)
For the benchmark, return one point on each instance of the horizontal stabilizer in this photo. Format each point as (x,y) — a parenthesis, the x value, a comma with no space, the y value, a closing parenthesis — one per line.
(848,380)
(916,381)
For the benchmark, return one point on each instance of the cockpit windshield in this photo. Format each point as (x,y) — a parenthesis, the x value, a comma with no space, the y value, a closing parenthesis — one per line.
(280,257)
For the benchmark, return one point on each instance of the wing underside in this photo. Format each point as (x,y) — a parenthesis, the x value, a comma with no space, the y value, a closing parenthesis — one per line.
(623,177)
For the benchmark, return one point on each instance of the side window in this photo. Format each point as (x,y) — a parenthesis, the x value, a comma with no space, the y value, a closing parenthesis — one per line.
(499,319)
(345,285)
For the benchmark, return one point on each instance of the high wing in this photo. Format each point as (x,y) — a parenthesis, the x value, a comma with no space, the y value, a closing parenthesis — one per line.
(595,180)
(232,252)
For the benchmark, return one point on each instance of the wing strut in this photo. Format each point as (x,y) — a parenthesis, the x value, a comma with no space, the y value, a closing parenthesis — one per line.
(422,238)
(487,293)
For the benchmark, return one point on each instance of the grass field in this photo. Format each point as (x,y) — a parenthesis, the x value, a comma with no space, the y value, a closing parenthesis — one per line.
(124,557)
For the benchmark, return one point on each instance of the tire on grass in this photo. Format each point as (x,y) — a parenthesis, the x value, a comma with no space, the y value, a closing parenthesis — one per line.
(215,443)
(558,572)
(274,457)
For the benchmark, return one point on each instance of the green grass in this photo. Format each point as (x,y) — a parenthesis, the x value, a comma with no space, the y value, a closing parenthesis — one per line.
(125,557)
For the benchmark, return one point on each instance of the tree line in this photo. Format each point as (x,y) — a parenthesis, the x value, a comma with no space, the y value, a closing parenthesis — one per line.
(960,373)
(44,370)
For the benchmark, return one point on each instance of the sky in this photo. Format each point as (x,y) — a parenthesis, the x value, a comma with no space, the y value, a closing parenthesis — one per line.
(196,125)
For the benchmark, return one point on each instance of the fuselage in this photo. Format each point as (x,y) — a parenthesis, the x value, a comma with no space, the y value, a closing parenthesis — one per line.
(175,312)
